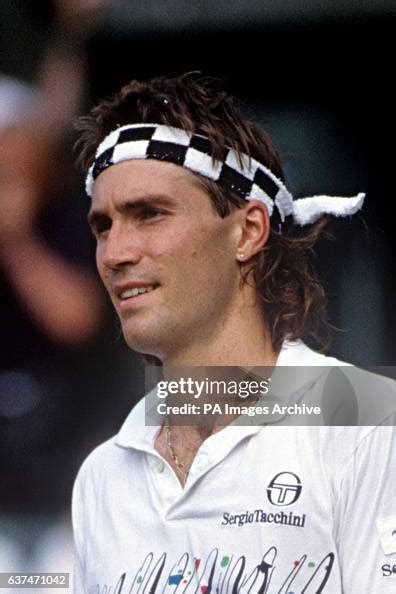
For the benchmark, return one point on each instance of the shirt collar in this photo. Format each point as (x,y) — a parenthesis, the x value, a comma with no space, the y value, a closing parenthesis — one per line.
(297,367)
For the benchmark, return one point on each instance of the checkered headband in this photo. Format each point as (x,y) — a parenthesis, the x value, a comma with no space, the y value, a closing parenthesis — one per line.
(238,173)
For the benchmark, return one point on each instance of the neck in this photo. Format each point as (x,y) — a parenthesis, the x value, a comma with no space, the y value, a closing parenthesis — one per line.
(240,338)
(241,342)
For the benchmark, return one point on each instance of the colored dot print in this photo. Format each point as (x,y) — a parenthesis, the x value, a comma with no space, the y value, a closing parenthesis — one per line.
(225,561)
(311,564)
(296,563)
(139,579)
(197,563)
(180,571)
(203,589)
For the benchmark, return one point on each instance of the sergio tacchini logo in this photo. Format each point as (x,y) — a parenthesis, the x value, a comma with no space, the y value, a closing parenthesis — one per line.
(284,489)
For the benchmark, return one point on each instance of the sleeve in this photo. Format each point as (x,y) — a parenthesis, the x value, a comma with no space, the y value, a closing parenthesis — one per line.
(78,533)
(365,514)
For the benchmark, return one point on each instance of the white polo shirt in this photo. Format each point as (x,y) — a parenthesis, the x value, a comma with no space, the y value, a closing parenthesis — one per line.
(266,509)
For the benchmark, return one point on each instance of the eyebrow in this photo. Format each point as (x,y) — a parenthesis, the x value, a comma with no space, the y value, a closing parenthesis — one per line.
(130,205)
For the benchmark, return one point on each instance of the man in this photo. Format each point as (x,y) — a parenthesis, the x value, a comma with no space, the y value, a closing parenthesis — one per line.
(197,250)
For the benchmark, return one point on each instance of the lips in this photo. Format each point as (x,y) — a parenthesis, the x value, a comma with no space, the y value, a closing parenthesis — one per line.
(135,292)
(129,291)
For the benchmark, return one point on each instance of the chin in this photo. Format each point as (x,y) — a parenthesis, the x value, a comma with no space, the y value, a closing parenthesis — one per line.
(145,339)
(141,342)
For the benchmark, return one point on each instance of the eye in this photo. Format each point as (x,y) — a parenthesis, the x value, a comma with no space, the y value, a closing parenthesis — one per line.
(149,212)
(99,225)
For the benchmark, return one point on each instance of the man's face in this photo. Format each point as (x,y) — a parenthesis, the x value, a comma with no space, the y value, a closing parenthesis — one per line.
(158,234)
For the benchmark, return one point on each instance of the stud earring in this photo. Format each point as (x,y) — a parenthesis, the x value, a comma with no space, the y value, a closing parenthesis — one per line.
(241,256)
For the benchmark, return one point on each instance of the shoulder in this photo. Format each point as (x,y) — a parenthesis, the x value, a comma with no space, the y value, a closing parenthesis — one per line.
(348,395)
(97,462)
(117,457)
(358,406)
(351,396)
(100,474)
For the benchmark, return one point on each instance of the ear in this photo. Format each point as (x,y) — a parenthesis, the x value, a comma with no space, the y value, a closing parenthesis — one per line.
(255,228)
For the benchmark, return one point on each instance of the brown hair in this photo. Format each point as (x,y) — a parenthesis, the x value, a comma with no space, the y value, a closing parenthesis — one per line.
(292,298)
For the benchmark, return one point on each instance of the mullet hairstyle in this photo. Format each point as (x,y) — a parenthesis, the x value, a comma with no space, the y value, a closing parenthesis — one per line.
(291,297)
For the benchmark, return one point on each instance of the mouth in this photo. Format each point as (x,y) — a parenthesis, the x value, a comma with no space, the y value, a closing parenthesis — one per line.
(134,294)
(130,293)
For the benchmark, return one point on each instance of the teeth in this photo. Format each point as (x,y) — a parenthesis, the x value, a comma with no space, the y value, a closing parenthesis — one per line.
(135,292)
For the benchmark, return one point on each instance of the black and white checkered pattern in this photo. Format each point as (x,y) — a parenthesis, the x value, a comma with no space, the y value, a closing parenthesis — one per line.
(248,178)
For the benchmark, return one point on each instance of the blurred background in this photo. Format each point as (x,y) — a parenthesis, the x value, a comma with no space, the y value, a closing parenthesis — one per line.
(317,76)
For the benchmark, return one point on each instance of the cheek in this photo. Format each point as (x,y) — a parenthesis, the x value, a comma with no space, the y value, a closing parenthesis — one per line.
(99,265)
(170,248)
(102,270)
(194,254)
(205,261)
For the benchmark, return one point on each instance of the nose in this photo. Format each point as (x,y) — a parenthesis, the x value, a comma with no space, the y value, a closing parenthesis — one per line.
(120,247)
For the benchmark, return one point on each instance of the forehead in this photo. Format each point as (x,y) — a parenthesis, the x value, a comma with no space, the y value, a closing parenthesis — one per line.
(142,178)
